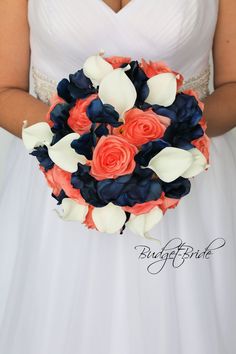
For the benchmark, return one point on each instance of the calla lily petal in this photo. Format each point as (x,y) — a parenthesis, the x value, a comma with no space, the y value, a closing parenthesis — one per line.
(198,165)
(118,90)
(72,210)
(170,163)
(162,89)
(38,134)
(141,224)
(64,156)
(109,218)
(96,68)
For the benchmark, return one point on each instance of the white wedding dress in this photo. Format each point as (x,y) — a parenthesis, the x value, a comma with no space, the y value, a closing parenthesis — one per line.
(66,289)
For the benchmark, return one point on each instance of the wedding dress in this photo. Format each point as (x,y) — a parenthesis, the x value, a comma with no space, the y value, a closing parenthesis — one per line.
(66,289)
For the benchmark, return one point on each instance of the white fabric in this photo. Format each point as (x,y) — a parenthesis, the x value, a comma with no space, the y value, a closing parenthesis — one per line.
(65,289)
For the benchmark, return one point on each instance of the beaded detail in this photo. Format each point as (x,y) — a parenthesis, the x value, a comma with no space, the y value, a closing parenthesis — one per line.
(44,87)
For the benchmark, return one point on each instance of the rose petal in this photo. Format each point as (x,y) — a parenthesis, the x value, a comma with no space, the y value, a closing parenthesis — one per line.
(64,156)
(118,90)
(109,218)
(96,68)
(38,134)
(141,224)
(162,89)
(170,163)
(198,165)
(72,210)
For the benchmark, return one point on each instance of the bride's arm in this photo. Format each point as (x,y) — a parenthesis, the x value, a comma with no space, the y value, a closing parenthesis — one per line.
(16,104)
(220,106)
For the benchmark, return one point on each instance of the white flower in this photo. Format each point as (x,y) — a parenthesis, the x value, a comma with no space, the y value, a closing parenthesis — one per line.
(72,210)
(38,134)
(162,89)
(198,165)
(61,153)
(109,218)
(96,68)
(118,90)
(64,156)
(141,224)
(170,163)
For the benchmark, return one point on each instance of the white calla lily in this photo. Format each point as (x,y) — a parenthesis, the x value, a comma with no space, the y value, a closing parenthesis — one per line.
(143,223)
(162,89)
(38,134)
(72,210)
(198,165)
(64,156)
(118,90)
(96,68)
(170,163)
(109,218)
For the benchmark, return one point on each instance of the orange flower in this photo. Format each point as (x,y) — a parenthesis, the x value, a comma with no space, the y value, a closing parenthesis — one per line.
(141,127)
(59,179)
(203,144)
(152,68)
(78,119)
(116,61)
(89,220)
(113,156)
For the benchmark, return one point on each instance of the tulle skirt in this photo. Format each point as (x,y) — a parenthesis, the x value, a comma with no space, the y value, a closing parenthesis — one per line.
(66,289)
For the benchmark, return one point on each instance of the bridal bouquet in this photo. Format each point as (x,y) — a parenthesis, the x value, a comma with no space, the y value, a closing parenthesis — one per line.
(120,143)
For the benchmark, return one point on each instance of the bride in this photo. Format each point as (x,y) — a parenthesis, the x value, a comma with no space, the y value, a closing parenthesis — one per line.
(65,289)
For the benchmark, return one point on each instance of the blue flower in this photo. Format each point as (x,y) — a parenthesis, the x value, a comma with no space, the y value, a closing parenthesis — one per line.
(81,179)
(60,196)
(184,109)
(176,189)
(41,153)
(78,86)
(84,145)
(185,115)
(149,150)
(139,80)
(127,190)
(98,112)
(59,116)
(180,135)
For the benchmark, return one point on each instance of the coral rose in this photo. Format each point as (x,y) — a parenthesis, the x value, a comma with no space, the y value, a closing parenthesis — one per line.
(78,119)
(152,68)
(168,203)
(59,179)
(203,144)
(116,61)
(88,219)
(113,156)
(141,127)
(142,208)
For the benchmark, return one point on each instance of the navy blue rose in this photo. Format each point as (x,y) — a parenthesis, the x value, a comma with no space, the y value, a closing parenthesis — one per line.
(139,80)
(128,190)
(59,116)
(177,188)
(78,86)
(98,112)
(149,150)
(81,179)
(41,153)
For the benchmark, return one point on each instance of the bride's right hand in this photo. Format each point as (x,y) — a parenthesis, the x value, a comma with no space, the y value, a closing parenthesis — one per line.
(16,104)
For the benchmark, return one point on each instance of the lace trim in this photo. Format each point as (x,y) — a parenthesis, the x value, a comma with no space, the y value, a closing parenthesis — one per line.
(44,87)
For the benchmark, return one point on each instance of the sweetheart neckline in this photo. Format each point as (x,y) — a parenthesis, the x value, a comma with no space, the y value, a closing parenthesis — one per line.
(122,10)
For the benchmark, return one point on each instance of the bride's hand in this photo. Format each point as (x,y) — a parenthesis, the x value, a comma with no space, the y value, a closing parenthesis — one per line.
(220,106)
(16,104)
